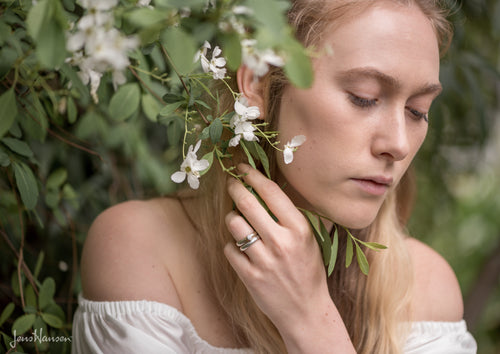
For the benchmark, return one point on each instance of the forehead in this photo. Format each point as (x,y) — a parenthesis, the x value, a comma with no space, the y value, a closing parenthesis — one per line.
(386,35)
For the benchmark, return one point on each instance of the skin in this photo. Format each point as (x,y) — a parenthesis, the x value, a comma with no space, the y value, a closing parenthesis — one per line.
(359,115)
(146,250)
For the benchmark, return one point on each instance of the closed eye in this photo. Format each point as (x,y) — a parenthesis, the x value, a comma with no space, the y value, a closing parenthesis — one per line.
(361,101)
(417,115)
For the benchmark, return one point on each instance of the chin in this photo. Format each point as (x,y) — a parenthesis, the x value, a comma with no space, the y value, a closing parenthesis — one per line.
(354,220)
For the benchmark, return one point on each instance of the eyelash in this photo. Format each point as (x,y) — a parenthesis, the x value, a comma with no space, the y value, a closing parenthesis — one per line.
(367,103)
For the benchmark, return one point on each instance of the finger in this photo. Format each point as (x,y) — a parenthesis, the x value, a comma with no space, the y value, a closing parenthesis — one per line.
(250,208)
(238,261)
(243,234)
(241,264)
(274,197)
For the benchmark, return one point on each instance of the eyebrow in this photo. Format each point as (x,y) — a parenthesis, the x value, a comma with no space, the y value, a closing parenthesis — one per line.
(386,80)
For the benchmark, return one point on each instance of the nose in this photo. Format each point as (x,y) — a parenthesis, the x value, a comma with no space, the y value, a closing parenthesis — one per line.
(391,138)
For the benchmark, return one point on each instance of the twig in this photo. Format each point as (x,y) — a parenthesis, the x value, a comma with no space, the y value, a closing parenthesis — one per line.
(184,84)
(144,84)
(27,271)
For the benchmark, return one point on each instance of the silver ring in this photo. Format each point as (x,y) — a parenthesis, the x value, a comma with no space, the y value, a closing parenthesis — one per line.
(246,239)
(245,246)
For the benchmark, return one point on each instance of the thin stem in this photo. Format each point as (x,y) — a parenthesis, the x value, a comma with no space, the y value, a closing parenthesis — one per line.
(183,84)
(144,84)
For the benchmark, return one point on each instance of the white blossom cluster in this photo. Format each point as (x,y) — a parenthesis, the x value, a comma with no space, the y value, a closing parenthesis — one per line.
(98,47)
(241,122)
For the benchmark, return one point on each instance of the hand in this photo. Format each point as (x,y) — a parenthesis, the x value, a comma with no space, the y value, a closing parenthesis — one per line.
(283,271)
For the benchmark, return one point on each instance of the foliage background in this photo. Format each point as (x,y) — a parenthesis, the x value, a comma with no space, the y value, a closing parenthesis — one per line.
(83,160)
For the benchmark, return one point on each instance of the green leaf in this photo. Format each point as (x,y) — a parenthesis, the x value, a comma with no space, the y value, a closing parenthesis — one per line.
(170,108)
(41,328)
(232,50)
(8,111)
(29,296)
(145,17)
(14,283)
(209,156)
(52,198)
(180,47)
(57,178)
(23,324)
(258,153)
(18,146)
(52,320)
(151,107)
(249,155)
(72,111)
(46,24)
(216,130)
(4,159)
(263,159)
(36,18)
(298,67)
(46,294)
(175,128)
(125,101)
(362,261)
(30,309)
(56,310)
(326,245)
(348,252)
(51,45)
(26,184)
(39,263)
(334,251)
(373,245)
(314,221)
(6,313)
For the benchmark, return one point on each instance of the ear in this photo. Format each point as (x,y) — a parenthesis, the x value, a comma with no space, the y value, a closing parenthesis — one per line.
(251,87)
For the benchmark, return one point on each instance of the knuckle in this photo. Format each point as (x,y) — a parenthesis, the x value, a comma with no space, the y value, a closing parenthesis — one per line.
(270,188)
(303,230)
(231,221)
(246,203)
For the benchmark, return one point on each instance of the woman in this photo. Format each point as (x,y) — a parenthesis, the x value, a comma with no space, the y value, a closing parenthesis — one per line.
(165,275)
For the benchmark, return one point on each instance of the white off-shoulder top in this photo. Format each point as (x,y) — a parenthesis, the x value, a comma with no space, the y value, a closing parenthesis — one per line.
(151,327)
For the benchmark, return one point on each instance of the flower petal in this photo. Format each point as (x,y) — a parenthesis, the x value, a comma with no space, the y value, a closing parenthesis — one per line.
(178,177)
(297,141)
(193,181)
(288,155)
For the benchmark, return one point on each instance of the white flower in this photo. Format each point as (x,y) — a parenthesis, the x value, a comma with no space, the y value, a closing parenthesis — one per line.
(242,10)
(215,65)
(143,3)
(240,121)
(241,108)
(191,167)
(242,128)
(292,146)
(259,60)
(99,5)
(202,52)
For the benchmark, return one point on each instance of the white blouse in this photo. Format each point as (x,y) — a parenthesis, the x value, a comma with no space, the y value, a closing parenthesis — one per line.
(152,327)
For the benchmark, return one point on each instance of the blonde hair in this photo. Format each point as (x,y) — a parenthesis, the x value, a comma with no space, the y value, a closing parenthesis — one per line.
(375,307)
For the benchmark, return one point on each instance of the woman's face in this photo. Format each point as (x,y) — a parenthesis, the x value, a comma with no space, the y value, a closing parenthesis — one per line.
(365,116)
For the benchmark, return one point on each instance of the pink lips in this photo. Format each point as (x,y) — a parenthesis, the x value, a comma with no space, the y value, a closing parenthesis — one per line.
(377,185)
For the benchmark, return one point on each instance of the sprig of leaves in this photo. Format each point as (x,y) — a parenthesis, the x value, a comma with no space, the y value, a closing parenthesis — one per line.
(329,244)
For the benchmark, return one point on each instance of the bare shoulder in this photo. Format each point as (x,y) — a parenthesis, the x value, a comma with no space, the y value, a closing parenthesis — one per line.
(129,250)
(437,294)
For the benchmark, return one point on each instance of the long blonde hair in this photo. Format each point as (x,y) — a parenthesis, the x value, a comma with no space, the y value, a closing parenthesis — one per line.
(375,307)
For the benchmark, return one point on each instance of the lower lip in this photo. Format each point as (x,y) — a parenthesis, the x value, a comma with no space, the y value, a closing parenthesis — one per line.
(371,187)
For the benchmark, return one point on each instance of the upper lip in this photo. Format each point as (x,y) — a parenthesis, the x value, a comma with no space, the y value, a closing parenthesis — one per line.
(378,179)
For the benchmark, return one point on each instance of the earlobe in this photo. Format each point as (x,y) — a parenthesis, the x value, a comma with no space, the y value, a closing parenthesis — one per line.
(250,87)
